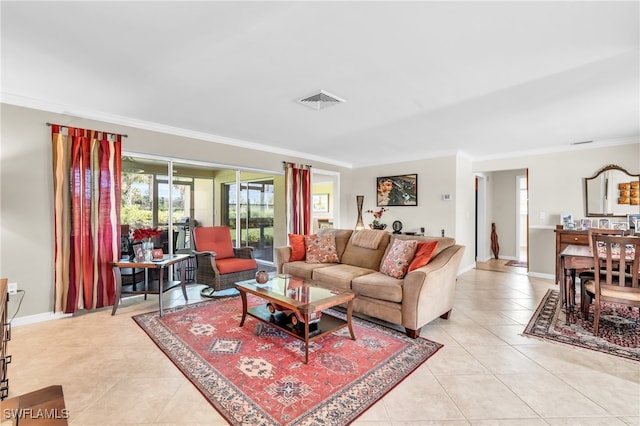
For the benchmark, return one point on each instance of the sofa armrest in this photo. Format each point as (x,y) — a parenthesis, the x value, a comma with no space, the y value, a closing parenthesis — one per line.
(429,291)
(282,256)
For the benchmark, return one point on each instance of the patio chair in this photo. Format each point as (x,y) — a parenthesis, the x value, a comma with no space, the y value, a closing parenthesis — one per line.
(218,264)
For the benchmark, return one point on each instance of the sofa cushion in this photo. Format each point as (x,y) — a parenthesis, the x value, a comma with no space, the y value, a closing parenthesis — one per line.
(378,286)
(302,269)
(339,276)
(321,249)
(342,237)
(424,253)
(364,257)
(398,257)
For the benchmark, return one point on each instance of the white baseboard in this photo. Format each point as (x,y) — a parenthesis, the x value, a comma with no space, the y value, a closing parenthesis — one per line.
(541,275)
(32,319)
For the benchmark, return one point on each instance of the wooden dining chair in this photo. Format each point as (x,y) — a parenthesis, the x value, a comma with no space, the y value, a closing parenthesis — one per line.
(617,268)
(586,297)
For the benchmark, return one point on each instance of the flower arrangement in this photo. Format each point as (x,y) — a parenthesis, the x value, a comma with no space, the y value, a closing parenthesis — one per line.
(145,234)
(377,215)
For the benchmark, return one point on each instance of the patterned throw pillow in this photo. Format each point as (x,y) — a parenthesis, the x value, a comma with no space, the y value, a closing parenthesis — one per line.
(397,260)
(321,248)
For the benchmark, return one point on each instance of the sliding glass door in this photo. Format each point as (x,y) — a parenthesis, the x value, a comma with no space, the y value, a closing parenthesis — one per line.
(249,211)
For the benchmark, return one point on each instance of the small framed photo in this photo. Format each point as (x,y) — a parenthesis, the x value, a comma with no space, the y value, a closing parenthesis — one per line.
(620,226)
(634,221)
(585,224)
(158,254)
(604,224)
(138,252)
(566,219)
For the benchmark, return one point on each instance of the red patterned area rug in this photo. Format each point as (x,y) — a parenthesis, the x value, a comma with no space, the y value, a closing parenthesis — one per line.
(255,374)
(619,332)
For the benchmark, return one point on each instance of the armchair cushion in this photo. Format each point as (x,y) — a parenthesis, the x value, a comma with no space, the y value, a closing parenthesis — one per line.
(234,264)
(214,238)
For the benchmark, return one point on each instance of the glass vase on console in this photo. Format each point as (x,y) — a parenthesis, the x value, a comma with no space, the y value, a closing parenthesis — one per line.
(147,247)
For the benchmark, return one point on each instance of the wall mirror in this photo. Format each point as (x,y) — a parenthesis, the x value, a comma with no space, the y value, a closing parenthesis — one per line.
(612,191)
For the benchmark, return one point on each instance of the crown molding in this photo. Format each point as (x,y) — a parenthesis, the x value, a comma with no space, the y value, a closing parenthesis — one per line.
(67,110)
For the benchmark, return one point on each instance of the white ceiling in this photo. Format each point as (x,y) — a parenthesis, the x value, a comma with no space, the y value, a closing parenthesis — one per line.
(421,79)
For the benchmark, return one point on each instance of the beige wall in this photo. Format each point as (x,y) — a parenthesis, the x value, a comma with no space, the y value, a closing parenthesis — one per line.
(26,239)
(26,220)
(556,186)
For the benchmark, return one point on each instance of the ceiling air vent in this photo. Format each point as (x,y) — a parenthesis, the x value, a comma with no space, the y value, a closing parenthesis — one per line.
(321,100)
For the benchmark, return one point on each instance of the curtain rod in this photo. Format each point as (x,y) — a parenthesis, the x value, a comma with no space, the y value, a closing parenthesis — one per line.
(66,127)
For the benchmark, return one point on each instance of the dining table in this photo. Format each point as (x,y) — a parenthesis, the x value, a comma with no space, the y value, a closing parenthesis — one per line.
(573,258)
(577,258)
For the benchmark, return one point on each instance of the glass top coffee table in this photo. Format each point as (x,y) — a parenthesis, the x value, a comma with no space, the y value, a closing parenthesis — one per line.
(294,306)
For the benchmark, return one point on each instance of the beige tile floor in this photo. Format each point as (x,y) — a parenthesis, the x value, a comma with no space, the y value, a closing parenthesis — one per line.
(486,374)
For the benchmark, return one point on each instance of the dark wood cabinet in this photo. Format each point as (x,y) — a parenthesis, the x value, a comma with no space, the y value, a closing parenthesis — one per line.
(5,336)
(565,237)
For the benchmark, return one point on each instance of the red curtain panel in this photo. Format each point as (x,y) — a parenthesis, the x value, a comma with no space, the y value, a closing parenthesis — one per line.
(297,181)
(86,183)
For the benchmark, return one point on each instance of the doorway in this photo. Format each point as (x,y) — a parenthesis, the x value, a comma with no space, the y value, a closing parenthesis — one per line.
(522,219)
(502,199)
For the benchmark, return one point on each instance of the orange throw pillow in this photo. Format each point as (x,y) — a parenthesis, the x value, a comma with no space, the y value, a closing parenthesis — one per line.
(424,253)
(298,249)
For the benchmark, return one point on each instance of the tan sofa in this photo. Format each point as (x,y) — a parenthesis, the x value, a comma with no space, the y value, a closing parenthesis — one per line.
(421,296)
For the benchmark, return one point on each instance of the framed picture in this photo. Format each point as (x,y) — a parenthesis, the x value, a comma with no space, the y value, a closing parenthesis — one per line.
(397,190)
(566,219)
(604,223)
(158,254)
(585,224)
(320,203)
(634,221)
(620,226)
(138,252)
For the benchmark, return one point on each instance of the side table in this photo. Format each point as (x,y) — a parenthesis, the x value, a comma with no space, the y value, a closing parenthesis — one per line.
(156,287)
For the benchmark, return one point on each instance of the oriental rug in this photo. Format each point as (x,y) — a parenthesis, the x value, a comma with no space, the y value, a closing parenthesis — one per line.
(255,374)
(619,332)
(517,263)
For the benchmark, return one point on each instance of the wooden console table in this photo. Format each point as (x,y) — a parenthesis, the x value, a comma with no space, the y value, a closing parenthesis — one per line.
(5,336)
(564,238)
(155,287)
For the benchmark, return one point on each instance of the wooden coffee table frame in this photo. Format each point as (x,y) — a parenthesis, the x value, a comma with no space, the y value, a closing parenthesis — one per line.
(327,324)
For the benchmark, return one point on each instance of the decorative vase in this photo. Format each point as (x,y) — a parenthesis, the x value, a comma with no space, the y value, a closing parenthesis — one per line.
(380,226)
(359,222)
(262,277)
(147,247)
(495,246)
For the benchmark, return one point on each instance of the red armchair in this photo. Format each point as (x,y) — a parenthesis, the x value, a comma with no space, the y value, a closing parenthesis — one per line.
(218,264)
